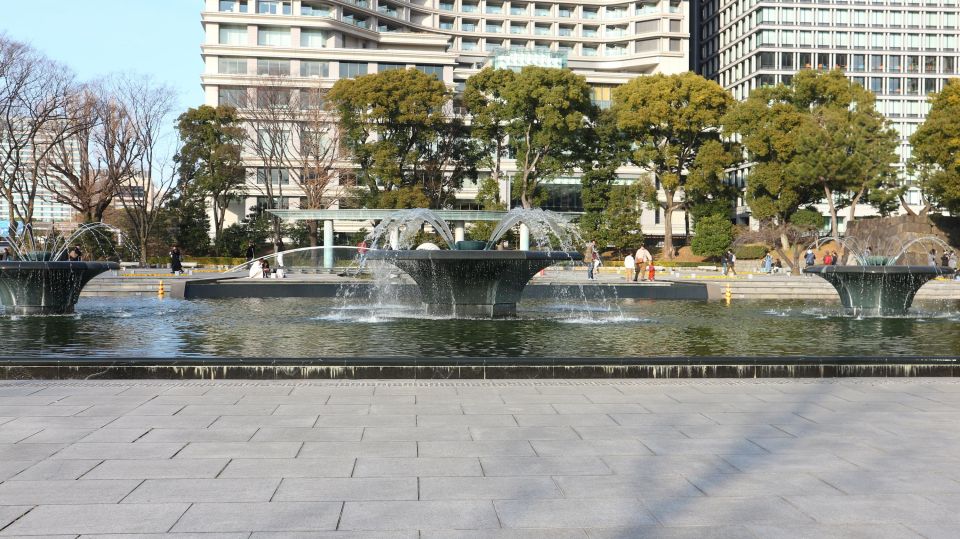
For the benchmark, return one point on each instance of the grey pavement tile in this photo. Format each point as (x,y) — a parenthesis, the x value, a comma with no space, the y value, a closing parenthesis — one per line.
(687,464)
(235,421)
(603,408)
(417,409)
(488,488)
(415,433)
(890,482)
(358,449)
(516,466)
(16,434)
(239,535)
(581,513)
(577,420)
(200,435)
(10,468)
(10,513)
(488,408)
(323,409)
(461,420)
(204,490)
(849,531)
(476,449)
(57,436)
(136,450)
(155,409)
(420,467)
(226,409)
(422,515)
(115,435)
(761,484)
(347,489)
(372,399)
(337,535)
(627,433)
(157,469)
(52,469)
(903,508)
(753,432)
(707,511)
(29,400)
(937,531)
(391,420)
(504,534)
(244,390)
(294,434)
(89,400)
(240,450)
(270,516)
(617,486)
(669,419)
(682,532)
(702,446)
(285,399)
(64,491)
(108,410)
(789,462)
(40,411)
(523,433)
(162,422)
(97,518)
(526,398)
(553,448)
(756,418)
(26,451)
(186,400)
(71,422)
(298,467)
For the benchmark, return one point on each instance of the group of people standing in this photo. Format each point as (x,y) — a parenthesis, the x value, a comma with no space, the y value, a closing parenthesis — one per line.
(640,265)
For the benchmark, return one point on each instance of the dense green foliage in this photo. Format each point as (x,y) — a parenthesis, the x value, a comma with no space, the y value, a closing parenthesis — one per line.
(936,149)
(750,252)
(713,235)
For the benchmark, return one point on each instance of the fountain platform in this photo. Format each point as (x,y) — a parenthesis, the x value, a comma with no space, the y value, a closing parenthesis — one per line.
(878,290)
(46,287)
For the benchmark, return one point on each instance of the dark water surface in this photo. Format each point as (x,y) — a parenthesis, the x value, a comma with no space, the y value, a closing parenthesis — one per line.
(149,327)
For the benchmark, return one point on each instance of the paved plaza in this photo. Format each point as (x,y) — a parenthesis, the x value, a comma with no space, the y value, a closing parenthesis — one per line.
(481,459)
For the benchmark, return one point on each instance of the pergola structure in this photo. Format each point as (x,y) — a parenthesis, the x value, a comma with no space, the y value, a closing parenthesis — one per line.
(459,218)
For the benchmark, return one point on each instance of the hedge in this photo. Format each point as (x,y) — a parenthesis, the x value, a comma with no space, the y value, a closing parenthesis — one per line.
(751,252)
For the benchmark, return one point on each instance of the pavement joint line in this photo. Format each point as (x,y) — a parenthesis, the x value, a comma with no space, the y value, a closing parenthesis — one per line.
(173,456)
(12,522)
(95,466)
(299,449)
(179,518)
(340,516)
(142,481)
(220,472)
(277,489)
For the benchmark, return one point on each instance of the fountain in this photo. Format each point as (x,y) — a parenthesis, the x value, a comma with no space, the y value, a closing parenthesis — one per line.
(874,285)
(469,279)
(39,281)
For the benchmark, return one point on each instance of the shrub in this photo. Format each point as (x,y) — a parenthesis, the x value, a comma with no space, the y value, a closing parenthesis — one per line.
(750,252)
(713,235)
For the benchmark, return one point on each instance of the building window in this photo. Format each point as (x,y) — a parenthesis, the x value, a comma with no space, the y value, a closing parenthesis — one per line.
(231,66)
(317,10)
(272,67)
(786,61)
(648,45)
(314,68)
(859,62)
(232,97)
(233,6)
(273,37)
(274,7)
(349,70)
(381,67)
(273,98)
(436,71)
(278,176)
(313,39)
(233,35)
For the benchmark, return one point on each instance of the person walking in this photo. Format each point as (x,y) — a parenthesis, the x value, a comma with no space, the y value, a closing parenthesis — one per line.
(629,266)
(176,260)
(810,258)
(768,263)
(932,258)
(642,259)
(945,259)
(723,263)
(732,262)
(251,252)
(951,261)
(588,257)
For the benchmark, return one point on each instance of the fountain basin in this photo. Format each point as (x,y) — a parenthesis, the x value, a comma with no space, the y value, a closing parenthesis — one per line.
(482,284)
(38,288)
(878,290)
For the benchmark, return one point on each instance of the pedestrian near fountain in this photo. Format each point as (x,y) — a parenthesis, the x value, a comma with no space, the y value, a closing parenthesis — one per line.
(629,266)
(724,263)
(732,262)
(768,263)
(7,255)
(651,271)
(72,256)
(833,258)
(176,260)
(265,268)
(951,260)
(641,261)
(588,254)
(251,252)
(932,258)
(810,258)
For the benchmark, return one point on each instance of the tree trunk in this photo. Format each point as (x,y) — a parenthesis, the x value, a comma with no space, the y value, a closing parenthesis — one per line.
(668,232)
(907,208)
(834,225)
(313,232)
(853,206)
(787,252)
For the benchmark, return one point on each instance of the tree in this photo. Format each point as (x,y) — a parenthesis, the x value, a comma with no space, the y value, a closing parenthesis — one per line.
(317,173)
(142,198)
(936,149)
(548,111)
(713,235)
(670,118)
(34,96)
(604,150)
(489,117)
(86,169)
(209,158)
(619,224)
(403,133)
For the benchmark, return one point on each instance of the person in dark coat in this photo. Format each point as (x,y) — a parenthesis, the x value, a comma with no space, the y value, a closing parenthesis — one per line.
(251,252)
(176,260)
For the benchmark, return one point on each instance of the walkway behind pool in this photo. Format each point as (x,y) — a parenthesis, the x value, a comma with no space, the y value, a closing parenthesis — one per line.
(484,459)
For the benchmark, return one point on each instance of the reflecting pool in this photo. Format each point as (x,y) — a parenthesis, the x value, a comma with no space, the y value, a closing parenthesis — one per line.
(150,327)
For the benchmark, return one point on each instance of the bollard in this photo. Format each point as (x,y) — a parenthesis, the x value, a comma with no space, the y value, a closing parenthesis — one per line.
(727,294)
(160,291)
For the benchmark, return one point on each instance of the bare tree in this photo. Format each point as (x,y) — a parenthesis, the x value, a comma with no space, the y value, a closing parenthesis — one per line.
(35,95)
(87,169)
(150,107)
(317,152)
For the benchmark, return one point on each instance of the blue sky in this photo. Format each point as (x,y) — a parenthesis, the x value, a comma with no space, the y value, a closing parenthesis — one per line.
(96,37)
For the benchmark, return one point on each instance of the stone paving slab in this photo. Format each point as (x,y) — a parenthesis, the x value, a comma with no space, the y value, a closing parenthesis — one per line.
(496,459)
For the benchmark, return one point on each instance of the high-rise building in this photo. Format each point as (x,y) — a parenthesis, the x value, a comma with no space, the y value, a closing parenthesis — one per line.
(901,50)
(315,42)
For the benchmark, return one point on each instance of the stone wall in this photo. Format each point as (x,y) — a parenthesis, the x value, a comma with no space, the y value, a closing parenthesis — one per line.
(890,233)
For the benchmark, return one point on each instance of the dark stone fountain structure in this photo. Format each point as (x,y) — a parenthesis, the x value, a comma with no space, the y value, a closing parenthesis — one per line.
(40,287)
(472,283)
(878,290)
